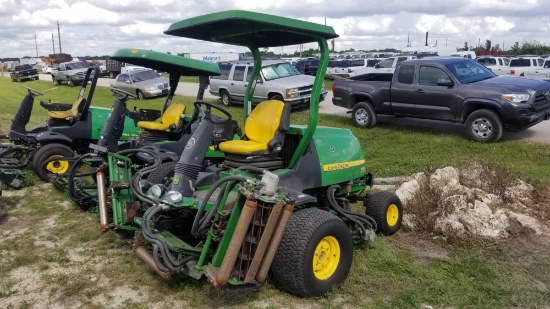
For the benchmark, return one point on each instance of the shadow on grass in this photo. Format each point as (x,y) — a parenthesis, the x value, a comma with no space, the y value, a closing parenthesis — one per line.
(6,204)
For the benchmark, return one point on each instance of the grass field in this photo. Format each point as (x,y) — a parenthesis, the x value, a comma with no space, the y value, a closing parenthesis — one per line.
(54,255)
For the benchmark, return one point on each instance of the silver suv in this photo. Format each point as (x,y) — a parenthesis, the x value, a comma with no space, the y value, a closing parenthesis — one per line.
(279,81)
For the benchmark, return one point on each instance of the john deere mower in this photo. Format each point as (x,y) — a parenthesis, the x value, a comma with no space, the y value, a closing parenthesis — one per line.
(281,201)
(71,128)
(166,138)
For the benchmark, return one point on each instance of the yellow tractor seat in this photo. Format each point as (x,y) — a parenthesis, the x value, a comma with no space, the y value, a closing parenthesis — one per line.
(170,118)
(72,112)
(264,130)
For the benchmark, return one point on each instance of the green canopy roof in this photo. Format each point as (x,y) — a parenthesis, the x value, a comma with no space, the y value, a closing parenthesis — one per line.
(245,28)
(166,63)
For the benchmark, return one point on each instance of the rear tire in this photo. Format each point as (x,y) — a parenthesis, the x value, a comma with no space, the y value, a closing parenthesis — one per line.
(140,95)
(226,98)
(364,115)
(162,174)
(36,78)
(315,253)
(55,82)
(112,75)
(386,209)
(484,126)
(56,167)
(70,83)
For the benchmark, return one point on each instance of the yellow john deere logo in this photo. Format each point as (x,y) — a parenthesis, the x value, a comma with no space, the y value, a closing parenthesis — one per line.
(176,179)
(342,165)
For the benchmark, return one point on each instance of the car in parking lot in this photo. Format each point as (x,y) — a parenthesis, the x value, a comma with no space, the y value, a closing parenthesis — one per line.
(144,83)
(278,80)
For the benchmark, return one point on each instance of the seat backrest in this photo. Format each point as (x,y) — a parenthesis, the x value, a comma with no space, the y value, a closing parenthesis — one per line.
(172,114)
(78,106)
(264,121)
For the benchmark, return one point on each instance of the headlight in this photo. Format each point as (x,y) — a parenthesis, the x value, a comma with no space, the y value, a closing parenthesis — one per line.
(150,88)
(292,93)
(516,98)
(158,190)
(174,196)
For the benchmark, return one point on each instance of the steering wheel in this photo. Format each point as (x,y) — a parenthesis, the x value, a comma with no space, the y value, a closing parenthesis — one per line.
(33,92)
(123,95)
(209,106)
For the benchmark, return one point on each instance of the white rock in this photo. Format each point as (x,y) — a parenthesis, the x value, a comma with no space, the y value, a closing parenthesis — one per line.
(526,222)
(444,176)
(408,222)
(407,191)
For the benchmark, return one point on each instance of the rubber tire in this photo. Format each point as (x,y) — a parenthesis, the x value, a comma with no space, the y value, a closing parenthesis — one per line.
(112,75)
(278,97)
(140,95)
(18,79)
(36,78)
(377,205)
(494,120)
(55,82)
(70,83)
(292,266)
(372,117)
(45,152)
(228,101)
(162,174)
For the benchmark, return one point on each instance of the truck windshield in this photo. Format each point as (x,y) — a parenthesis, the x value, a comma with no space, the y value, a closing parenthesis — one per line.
(75,66)
(279,70)
(469,71)
(520,63)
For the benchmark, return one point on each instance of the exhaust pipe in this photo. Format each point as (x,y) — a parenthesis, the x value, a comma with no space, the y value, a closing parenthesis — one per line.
(149,260)
(274,245)
(102,196)
(236,241)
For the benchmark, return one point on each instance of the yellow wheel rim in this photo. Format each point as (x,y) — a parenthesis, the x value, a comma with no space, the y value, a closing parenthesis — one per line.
(326,258)
(392,215)
(57,167)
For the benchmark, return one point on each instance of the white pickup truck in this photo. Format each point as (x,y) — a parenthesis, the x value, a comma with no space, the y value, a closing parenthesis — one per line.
(385,66)
(499,65)
(539,71)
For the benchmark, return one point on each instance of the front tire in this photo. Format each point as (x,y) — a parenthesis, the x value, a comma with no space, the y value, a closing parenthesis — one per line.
(58,167)
(484,126)
(386,210)
(364,115)
(226,98)
(70,83)
(140,95)
(55,82)
(162,174)
(315,253)
(278,97)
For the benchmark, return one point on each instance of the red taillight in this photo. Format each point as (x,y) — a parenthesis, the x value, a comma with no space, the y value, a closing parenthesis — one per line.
(349,70)
(333,87)
(20,74)
(512,72)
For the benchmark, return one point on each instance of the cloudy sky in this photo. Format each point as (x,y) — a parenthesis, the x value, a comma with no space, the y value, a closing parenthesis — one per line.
(99,27)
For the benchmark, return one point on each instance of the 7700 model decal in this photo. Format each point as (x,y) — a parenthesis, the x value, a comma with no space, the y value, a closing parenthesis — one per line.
(342,165)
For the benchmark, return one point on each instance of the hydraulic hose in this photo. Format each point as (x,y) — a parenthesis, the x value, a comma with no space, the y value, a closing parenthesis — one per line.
(252,169)
(75,195)
(200,211)
(357,218)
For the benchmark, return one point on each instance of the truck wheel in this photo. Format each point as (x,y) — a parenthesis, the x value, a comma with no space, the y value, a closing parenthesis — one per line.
(278,97)
(18,79)
(140,95)
(314,255)
(36,78)
(484,126)
(162,174)
(364,115)
(70,83)
(58,167)
(112,75)
(226,98)
(386,210)
(55,82)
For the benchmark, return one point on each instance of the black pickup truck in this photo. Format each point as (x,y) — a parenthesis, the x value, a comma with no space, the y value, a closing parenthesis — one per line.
(450,89)
(21,72)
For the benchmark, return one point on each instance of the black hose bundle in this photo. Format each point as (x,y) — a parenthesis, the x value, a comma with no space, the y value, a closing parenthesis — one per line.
(201,223)
(360,219)
(79,197)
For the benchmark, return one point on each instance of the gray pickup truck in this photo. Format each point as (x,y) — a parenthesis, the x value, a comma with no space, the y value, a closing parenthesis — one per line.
(449,89)
(279,80)
(70,73)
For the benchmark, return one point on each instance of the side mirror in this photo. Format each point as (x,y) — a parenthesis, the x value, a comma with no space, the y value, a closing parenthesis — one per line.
(259,81)
(127,81)
(445,82)
(377,66)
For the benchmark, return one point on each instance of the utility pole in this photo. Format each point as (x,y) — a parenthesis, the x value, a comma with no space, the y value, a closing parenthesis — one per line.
(53,44)
(409,39)
(59,35)
(36,45)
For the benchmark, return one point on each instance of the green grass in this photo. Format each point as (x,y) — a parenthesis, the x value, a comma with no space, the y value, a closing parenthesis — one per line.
(392,272)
